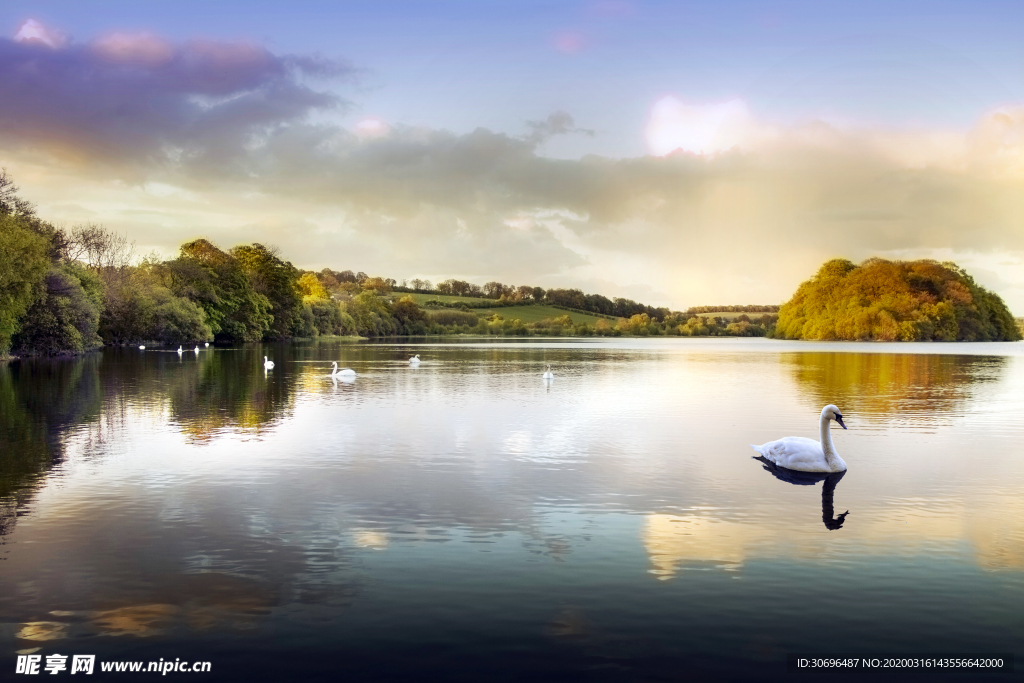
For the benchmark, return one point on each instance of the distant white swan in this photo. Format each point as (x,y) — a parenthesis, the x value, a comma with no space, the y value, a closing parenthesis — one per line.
(344,372)
(142,347)
(207,343)
(267,364)
(196,349)
(549,374)
(415,360)
(179,350)
(807,455)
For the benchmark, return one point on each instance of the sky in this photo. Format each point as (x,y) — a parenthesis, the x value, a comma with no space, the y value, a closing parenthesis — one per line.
(674,153)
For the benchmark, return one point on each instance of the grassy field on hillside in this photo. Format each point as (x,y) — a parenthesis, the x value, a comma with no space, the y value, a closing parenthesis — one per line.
(732,315)
(531,314)
(528,314)
(424,298)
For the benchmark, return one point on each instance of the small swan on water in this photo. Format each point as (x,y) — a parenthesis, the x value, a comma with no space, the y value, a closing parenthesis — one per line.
(196,349)
(142,347)
(207,343)
(179,350)
(807,455)
(549,374)
(267,364)
(415,360)
(344,372)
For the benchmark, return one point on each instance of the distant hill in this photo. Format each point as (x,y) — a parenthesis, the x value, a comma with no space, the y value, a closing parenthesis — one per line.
(895,301)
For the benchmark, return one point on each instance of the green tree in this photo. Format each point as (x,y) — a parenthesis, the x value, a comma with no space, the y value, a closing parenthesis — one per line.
(410,316)
(65,315)
(23,264)
(277,281)
(216,282)
(372,315)
(145,309)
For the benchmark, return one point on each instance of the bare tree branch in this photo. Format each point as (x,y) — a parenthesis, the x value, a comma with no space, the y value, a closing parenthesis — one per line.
(10,202)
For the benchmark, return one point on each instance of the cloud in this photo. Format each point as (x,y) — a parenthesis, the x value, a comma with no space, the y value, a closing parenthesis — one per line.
(559,123)
(31,31)
(137,98)
(735,209)
(699,128)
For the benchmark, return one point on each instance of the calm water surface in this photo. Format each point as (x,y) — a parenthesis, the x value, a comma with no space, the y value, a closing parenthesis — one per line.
(467,520)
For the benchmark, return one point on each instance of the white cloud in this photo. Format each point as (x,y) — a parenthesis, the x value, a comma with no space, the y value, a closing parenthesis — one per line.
(699,128)
(32,31)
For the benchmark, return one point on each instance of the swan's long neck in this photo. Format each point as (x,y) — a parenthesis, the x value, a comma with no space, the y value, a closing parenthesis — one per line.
(831,457)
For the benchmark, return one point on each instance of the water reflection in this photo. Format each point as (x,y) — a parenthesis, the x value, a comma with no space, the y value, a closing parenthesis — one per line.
(887,386)
(695,541)
(40,402)
(828,489)
(471,507)
(200,602)
(229,390)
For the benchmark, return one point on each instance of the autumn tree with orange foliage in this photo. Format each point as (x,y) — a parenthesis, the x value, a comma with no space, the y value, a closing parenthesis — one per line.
(895,301)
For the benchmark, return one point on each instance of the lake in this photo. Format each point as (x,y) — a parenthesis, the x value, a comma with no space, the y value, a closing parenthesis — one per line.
(466,520)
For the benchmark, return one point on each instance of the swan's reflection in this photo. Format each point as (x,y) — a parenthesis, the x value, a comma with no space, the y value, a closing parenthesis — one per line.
(809,479)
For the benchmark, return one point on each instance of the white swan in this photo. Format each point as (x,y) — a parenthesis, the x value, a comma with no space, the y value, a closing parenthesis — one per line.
(207,343)
(142,347)
(196,349)
(179,350)
(344,372)
(415,360)
(807,455)
(267,364)
(549,374)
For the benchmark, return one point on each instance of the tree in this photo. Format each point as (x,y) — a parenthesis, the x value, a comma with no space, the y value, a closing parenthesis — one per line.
(23,263)
(894,301)
(65,315)
(494,290)
(276,280)
(215,281)
(409,315)
(145,309)
(372,315)
(311,288)
(378,284)
(10,203)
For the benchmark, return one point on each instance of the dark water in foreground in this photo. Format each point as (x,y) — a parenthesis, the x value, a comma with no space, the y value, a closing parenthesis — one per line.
(465,520)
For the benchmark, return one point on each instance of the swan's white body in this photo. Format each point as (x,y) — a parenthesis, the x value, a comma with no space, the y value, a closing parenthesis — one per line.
(549,374)
(179,350)
(142,347)
(415,360)
(344,372)
(207,343)
(267,364)
(196,349)
(807,455)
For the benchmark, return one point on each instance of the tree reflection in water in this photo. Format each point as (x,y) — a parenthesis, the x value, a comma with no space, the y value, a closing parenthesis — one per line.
(809,479)
(893,387)
(40,401)
(44,400)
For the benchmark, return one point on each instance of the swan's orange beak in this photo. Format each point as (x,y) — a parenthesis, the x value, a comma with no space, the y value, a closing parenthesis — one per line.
(839,419)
